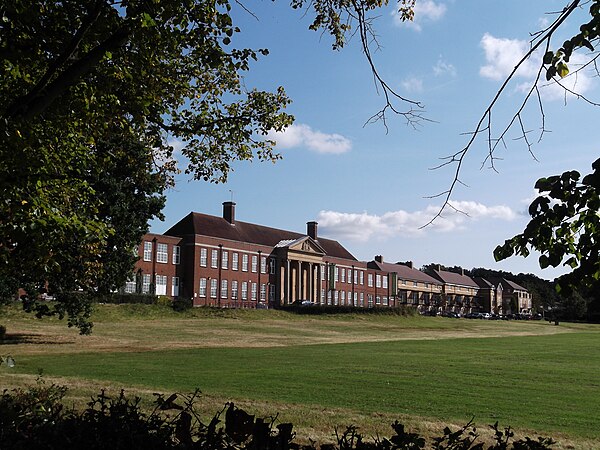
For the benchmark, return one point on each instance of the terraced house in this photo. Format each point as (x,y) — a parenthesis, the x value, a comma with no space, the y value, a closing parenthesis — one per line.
(223,262)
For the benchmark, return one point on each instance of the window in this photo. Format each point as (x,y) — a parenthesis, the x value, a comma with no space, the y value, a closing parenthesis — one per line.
(147,251)
(175,287)
(214,258)
(370,280)
(271,292)
(342,297)
(322,295)
(385,281)
(254,263)
(404,282)
(272,266)
(263,264)
(349,278)
(378,300)
(176,254)
(224,259)
(362,299)
(234,290)
(335,298)
(385,300)
(415,284)
(224,288)
(244,263)
(234,261)
(130,287)
(161,285)
(146,280)
(322,272)
(336,275)
(203,256)
(356,277)
(254,291)
(370,301)
(343,280)
(378,280)
(214,284)
(244,290)
(202,292)
(329,297)
(361,277)
(263,292)
(356,299)
(162,253)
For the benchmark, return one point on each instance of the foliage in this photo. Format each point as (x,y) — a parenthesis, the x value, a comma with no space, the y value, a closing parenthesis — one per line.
(182,304)
(96,95)
(37,419)
(565,228)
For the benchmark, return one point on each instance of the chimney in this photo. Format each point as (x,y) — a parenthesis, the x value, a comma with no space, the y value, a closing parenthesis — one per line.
(409,264)
(311,229)
(229,212)
(379,258)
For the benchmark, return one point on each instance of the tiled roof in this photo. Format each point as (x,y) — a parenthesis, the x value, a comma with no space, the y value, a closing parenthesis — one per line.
(404,272)
(507,284)
(455,278)
(483,283)
(217,227)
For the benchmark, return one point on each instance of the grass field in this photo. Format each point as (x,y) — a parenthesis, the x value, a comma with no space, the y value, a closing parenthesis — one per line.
(323,371)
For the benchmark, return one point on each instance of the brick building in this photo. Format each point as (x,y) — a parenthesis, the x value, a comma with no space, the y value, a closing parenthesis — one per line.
(223,262)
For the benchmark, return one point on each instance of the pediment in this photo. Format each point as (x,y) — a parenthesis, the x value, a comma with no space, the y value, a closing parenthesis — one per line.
(306,245)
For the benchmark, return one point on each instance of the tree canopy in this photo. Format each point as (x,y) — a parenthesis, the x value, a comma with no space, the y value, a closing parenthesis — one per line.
(92,94)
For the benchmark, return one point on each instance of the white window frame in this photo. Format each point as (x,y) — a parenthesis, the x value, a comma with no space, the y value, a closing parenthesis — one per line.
(254,263)
(263,264)
(254,291)
(203,256)
(147,250)
(378,280)
(234,290)
(161,285)
(349,276)
(224,286)
(175,287)
(234,261)
(370,279)
(263,292)
(224,259)
(176,255)
(162,253)
(361,277)
(146,282)
(343,276)
(272,266)
(214,258)
(202,288)
(214,287)
(244,262)
(244,290)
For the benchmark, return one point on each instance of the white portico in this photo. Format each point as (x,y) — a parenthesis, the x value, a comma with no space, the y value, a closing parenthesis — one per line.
(299,275)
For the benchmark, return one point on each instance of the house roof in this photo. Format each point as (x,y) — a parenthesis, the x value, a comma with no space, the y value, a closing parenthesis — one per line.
(506,284)
(404,272)
(483,283)
(217,227)
(454,278)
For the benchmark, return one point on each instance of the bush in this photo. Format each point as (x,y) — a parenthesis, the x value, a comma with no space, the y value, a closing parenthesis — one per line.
(164,300)
(122,298)
(36,419)
(2,332)
(182,304)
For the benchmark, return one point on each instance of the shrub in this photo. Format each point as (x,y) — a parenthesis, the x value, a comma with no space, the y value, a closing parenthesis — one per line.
(122,298)
(182,304)
(164,300)
(36,419)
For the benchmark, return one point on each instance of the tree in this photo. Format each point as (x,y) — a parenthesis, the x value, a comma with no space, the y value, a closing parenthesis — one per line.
(92,93)
(565,228)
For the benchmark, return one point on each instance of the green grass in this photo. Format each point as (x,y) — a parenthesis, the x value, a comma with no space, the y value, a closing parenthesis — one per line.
(543,383)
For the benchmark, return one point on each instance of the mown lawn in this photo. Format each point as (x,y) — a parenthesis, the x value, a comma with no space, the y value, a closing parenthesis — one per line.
(542,378)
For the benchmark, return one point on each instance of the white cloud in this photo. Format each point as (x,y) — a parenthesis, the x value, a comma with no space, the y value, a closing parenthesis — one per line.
(413,84)
(301,135)
(425,10)
(443,68)
(502,55)
(362,227)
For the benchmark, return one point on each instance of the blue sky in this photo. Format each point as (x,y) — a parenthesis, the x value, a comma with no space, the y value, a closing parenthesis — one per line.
(369,188)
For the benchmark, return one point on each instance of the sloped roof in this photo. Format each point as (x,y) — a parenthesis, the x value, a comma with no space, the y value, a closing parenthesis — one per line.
(404,272)
(217,227)
(483,283)
(507,284)
(454,278)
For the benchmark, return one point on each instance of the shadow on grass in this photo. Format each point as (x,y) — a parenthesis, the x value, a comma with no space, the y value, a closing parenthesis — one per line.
(32,338)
